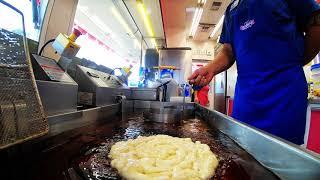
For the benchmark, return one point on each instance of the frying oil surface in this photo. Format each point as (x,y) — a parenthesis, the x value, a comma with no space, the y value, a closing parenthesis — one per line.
(234,162)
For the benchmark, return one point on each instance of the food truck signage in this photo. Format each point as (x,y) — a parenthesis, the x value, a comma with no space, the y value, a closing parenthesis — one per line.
(204,54)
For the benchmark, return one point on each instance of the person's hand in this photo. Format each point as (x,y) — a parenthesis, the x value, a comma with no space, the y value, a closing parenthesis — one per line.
(202,76)
(196,100)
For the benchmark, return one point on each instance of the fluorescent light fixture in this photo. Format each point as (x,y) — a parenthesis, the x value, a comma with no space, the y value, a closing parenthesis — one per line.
(197,17)
(146,20)
(217,28)
(196,21)
(96,20)
(119,17)
(202,1)
(121,20)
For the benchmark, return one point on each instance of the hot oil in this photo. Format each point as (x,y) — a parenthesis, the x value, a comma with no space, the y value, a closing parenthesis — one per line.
(82,153)
(234,162)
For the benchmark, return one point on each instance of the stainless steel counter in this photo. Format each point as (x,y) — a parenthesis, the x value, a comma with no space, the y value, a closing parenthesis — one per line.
(285,159)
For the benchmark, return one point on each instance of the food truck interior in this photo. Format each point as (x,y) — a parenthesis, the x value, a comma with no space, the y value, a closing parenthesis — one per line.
(79,76)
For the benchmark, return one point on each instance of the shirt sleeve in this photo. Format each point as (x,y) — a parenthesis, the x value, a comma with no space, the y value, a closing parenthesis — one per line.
(303,10)
(225,36)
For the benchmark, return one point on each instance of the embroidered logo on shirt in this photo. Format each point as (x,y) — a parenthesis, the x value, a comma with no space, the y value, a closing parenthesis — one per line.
(247,25)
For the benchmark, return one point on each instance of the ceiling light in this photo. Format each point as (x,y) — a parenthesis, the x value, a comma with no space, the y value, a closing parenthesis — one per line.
(121,20)
(197,17)
(146,20)
(217,28)
(196,21)
(202,2)
(96,20)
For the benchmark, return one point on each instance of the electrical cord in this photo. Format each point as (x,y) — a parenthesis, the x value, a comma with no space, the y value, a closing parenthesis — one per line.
(42,48)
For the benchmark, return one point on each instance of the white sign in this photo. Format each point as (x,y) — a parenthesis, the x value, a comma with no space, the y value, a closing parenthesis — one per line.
(202,54)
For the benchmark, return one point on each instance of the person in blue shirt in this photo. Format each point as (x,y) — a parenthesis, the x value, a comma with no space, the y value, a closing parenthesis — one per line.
(271,41)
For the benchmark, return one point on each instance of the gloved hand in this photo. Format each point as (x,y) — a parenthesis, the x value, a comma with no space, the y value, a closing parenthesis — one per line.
(201,77)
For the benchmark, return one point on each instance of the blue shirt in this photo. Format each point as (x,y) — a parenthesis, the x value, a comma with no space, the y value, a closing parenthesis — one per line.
(268,44)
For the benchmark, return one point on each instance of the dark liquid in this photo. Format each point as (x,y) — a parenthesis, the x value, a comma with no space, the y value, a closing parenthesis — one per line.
(234,162)
(82,153)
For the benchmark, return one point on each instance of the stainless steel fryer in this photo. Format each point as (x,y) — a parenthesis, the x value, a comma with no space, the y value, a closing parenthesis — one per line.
(71,133)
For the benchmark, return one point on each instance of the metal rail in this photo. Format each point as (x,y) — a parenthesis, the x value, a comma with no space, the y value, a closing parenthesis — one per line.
(285,159)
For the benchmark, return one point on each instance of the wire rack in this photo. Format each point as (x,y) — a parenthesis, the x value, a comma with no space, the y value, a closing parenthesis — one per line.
(21,112)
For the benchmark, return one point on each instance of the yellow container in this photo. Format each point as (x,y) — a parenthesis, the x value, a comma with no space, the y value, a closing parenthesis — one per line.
(315,77)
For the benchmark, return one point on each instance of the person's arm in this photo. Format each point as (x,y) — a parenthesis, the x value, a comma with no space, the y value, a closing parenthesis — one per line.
(305,12)
(223,61)
(312,38)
